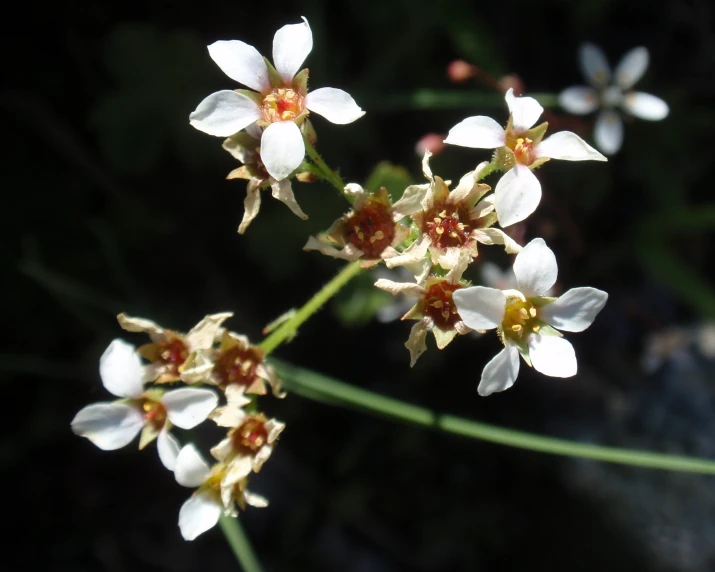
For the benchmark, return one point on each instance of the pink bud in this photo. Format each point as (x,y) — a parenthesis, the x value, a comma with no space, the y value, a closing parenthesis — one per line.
(511,81)
(460,71)
(433,142)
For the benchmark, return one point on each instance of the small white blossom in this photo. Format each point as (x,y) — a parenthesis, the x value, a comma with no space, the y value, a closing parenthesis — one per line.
(520,149)
(152,412)
(609,92)
(527,320)
(280,101)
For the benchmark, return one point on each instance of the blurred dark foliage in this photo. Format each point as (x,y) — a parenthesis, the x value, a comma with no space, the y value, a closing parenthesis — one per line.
(116,203)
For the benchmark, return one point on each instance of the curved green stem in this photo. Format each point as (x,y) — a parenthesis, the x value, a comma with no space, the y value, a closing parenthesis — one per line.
(237,539)
(289,328)
(325,172)
(318,387)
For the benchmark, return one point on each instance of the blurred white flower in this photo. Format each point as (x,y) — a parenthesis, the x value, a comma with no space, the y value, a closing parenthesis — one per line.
(609,92)
(113,425)
(527,320)
(280,101)
(520,149)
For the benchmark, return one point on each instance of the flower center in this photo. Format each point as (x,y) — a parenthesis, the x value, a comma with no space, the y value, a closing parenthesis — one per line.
(172,352)
(282,104)
(522,148)
(519,319)
(251,435)
(612,96)
(237,365)
(448,227)
(371,229)
(439,306)
(154,412)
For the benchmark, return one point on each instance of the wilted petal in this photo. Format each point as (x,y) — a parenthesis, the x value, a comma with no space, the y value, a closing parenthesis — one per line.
(199,514)
(242,63)
(567,146)
(108,425)
(191,470)
(396,288)
(416,342)
(336,105)
(189,406)
(517,195)
(525,111)
(282,149)
(224,113)
(251,207)
(575,310)
(131,324)
(168,448)
(480,307)
(121,370)
(552,355)
(608,132)
(291,45)
(330,250)
(443,337)
(255,500)
(203,334)
(645,106)
(579,99)
(410,202)
(479,132)
(535,268)
(283,191)
(594,65)
(492,236)
(501,371)
(631,67)
(412,254)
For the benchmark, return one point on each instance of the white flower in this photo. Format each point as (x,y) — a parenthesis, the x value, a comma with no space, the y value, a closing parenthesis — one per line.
(519,150)
(113,425)
(216,493)
(527,320)
(280,101)
(612,91)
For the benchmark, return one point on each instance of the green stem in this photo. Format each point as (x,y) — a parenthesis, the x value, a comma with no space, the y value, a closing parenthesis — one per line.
(320,388)
(237,539)
(324,171)
(289,328)
(488,170)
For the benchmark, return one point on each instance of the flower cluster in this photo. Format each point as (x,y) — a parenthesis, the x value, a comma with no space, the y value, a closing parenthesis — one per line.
(207,355)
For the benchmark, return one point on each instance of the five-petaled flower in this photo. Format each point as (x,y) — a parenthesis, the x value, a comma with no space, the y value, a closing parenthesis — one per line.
(217,491)
(527,320)
(245,146)
(280,101)
(152,412)
(519,149)
(611,91)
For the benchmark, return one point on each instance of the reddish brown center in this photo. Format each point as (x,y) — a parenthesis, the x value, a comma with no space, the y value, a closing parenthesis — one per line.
(282,104)
(237,365)
(251,435)
(154,412)
(371,229)
(447,225)
(439,306)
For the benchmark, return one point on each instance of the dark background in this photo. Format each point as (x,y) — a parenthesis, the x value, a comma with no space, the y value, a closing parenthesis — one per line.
(114,203)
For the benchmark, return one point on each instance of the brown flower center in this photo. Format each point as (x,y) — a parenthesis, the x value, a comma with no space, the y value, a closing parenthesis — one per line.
(371,229)
(238,365)
(439,306)
(251,435)
(282,104)
(448,225)
(154,412)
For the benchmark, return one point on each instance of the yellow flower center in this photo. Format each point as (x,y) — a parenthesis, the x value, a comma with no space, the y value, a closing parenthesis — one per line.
(282,104)
(522,149)
(519,318)
(154,412)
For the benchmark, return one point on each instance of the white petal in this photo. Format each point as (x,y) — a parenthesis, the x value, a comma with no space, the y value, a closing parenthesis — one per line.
(631,67)
(517,195)
(282,149)
(645,106)
(255,500)
(552,355)
(291,45)
(480,307)
(336,105)
(594,65)
(189,406)
(242,63)
(224,113)
(567,146)
(575,310)
(479,132)
(108,425)
(608,132)
(168,448)
(121,370)
(199,514)
(525,111)
(535,268)
(501,371)
(191,470)
(579,100)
